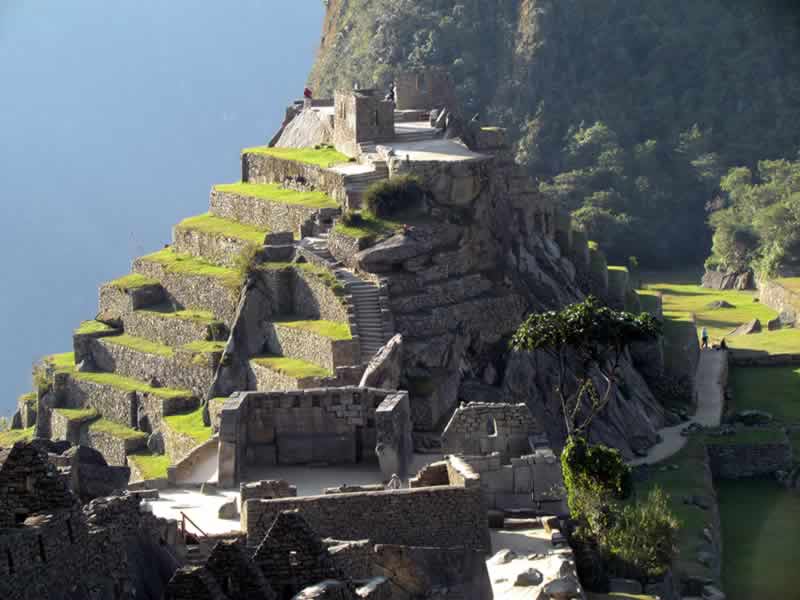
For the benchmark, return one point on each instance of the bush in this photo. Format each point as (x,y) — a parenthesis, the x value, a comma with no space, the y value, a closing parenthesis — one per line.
(389,197)
(643,538)
(591,471)
(247,261)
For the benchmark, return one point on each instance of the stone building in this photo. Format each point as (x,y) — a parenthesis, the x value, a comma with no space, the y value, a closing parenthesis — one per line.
(361,116)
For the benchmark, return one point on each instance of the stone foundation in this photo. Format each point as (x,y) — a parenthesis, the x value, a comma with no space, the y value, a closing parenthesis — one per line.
(262,168)
(732,460)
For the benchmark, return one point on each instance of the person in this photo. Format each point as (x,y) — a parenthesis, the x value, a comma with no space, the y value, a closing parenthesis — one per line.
(704,338)
(308,96)
(394,483)
(390,97)
(723,345)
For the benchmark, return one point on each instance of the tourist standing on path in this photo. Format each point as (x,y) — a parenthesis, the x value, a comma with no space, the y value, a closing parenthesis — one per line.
(704,338)
(308,97)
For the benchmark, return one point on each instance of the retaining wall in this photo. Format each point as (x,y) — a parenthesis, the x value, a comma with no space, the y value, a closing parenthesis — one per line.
(262,168)
(780,299)
(731,460)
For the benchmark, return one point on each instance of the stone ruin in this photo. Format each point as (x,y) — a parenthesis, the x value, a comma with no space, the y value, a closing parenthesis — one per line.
(339,347)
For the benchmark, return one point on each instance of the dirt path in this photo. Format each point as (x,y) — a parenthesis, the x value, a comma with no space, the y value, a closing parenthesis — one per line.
(709,389)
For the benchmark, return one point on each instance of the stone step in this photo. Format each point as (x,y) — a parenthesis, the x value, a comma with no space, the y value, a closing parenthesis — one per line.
(270,207)
(215,239)
(190,367)
(166,325)
(192,283)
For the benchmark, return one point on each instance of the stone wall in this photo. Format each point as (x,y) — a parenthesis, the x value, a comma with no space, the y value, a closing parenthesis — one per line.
(169,331)
(216,248)
(361,116)
(736,460)
(63,428)
(335,425)
(115,302)
(440,516)
(269,489)
(344,248)
(177,371)
(113,403)
(481,428)
(780,299)
(425,89)
(115,449)
(193,291)
(312,347)
(27,405)
(272,216)
(262,168)
(728,280)
(313,298)
(177,445)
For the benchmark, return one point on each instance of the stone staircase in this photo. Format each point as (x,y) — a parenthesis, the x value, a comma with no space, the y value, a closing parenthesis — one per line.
(356,185)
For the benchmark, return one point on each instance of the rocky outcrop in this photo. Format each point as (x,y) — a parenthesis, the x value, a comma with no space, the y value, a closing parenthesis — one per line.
(383,371)
(308,129)
(729,280)
(748,328)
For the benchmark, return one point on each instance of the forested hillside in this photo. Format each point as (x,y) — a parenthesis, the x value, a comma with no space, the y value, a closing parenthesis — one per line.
(628,111)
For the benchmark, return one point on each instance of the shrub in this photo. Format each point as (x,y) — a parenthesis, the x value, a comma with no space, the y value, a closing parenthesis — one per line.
(643,538)
(247,261)
(391,196)
(591,471)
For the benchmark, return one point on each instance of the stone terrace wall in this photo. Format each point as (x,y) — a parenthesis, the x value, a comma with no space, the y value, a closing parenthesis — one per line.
(177,445)
(780,299)
(114,404)
(313,298)
(740,461)
(440,516)
(115,449)
(261,168)
(312,347)
(482,428)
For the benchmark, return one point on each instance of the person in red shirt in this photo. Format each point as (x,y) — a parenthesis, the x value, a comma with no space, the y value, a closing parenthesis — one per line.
(308,95)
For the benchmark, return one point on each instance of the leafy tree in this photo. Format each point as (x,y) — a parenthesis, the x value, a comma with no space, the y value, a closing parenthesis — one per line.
(586,339)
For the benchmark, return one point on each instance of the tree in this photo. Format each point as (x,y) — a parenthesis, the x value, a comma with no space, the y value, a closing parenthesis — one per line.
(586,339)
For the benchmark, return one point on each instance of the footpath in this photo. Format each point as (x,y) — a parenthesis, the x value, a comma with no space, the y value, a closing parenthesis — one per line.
(710,394)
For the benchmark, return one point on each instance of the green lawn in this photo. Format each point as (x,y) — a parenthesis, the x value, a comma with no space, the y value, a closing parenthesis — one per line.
(272,192)
(205,347)
(186,264)
(325,156)
(328,329)
(190,424)
(749,436)
(682,297)
(92,327)
(12,436)
(141,345)
(166,311)
(78,415)
(61,362)
(292,367)
(132,281)
(116,430)
(773,389)
(760,528)
(151,466)
(790,283)
(208,223)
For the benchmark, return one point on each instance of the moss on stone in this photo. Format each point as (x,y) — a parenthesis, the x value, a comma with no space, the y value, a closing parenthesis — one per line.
(62,363)
(190,424)
(271,192)
(93,327)
(132,281)
(12,436)
(329,329)
(323,156)
(141,345)
(166,311)
(292,367)
(128,384)
(367,226)
(78,415)
(211,224)
(116,430)
(186,264)
(150,466)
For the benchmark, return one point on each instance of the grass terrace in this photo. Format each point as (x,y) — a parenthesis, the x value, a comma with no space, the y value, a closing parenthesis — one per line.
(292,367)
(132,282)
(151,466)
(62,363)
(186,264)
(321,272)
(749,436)
(790,283)
(650,301)
(116,430)
(213,225)
(29,398)
(190,424)
(772,389)
(324,156)
(272,192)
(369,226)
(328,329)
(93,327)
(166,311)
(12,436)
(682,297)
(141,345)
(78,415)
(205,347)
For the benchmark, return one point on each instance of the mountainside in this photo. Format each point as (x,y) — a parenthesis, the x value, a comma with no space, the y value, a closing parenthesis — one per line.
(628,112)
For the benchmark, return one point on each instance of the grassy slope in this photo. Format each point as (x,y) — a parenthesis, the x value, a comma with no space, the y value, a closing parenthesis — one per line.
(185,264)
(328,329)
(12,436)
(208,223)
(116,430)
(78,415)
(322,157)
(682,298)
(760,528)
(292,367)
(272,192)
(370,226)
(141,345)
(151,466)
(88,327)
(132,282)
(190,424)
(166,311)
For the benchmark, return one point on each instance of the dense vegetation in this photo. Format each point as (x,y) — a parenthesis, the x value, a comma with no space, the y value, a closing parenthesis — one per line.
(629,111)
(759,227)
